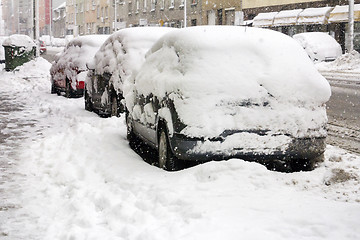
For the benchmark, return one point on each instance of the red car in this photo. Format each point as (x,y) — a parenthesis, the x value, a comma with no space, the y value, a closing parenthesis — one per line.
(42,47)
(69,70)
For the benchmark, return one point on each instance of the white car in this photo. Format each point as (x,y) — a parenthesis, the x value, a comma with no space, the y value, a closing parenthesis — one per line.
(321,47)
(219,92)
(121,55)
(68,71)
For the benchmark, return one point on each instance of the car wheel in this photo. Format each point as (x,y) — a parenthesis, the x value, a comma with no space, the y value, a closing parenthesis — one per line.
(134,141)
(114,107)
(88,103)
(68,90)
(53,89)
(167,160)
(307,164)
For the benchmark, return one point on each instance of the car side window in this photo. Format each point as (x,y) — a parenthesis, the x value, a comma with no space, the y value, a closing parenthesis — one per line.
(103,81)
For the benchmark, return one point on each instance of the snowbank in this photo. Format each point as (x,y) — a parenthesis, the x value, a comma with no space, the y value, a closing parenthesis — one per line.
(346,62)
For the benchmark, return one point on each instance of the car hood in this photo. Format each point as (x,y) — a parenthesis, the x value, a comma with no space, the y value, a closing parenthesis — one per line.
(266,116)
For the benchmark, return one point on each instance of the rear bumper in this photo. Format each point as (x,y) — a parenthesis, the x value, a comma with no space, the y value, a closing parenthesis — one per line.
(282,148)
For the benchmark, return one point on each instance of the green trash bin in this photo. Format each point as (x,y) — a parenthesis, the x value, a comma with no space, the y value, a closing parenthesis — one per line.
(19,49)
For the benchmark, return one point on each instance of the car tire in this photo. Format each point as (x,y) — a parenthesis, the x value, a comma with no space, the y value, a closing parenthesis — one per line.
(166,159)
(68,89)
(88,103)
(114,109)
(307,164)
(53,89)
(134,141)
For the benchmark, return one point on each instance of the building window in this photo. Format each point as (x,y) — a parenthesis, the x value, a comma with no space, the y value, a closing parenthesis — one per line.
(153,5)
(182,3)
(219,16)
(193,22)
(130,7)
(230,17)
(137,6)
(172,4)
(162,5)
(106,12)
(98,12)
(145,5)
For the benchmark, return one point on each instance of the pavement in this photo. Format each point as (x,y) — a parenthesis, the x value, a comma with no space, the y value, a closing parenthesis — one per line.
(344,109)
(342,76)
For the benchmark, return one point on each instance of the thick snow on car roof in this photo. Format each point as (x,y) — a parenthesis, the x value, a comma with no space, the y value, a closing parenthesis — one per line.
(219,74)
(319,45)
(80,50)
(126,49)
(317,40)
(234,60)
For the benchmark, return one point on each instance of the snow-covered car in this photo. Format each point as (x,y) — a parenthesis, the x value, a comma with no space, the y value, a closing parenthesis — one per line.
(120,56)
(320,46)
(219,92)
(68,71)
(42,47)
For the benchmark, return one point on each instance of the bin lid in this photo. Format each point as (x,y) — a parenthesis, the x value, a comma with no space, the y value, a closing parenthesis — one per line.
(19,40)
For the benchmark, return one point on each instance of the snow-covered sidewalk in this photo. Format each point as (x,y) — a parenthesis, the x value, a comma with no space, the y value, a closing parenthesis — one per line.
(82,181)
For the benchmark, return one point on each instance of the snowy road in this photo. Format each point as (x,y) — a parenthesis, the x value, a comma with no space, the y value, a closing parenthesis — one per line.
(343,111)
(73,176)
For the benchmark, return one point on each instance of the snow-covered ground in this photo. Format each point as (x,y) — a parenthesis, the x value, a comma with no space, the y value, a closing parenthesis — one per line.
(347,62)
(72,175)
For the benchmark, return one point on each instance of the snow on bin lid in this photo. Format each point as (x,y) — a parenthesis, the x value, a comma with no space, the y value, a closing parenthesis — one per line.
(287,17)
(315,15)
(341,13)
(19,40)
(264,19)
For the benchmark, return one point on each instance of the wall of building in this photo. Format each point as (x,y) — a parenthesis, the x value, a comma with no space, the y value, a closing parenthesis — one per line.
(218,12)
(269,3)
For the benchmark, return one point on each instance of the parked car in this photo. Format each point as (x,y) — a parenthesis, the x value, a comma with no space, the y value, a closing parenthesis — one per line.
(219,92)
(68,71)
(320,46)
(42,47)
(121,55)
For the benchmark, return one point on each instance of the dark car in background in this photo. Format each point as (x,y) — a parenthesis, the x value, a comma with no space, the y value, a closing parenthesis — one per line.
(119,57)
(214,93)
(69,70)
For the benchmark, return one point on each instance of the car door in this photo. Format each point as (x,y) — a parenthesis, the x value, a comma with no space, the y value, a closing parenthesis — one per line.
(144,118)
(100,93)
